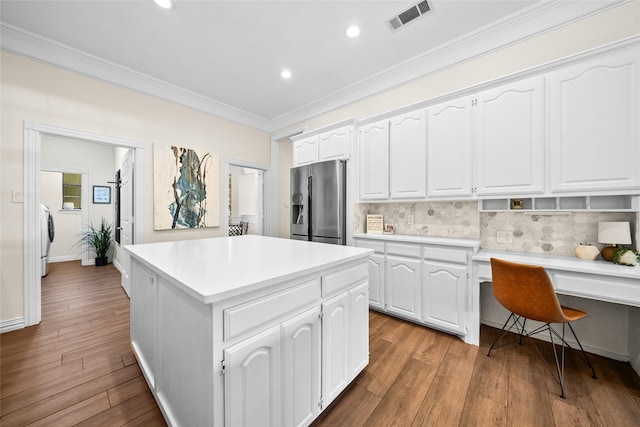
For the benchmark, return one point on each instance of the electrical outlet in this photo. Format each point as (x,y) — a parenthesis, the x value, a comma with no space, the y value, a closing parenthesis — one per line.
(410,219)
(503,236)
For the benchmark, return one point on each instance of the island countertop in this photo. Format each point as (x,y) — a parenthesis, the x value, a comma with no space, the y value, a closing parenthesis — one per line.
(215,269)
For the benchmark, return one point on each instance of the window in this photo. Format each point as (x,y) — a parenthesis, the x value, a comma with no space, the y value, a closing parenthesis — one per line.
(72,190)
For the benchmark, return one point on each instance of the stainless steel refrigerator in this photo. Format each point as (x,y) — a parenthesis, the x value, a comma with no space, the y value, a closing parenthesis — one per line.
(318,199)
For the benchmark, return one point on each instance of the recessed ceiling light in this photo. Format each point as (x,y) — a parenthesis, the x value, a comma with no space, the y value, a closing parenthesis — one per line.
(286,74)
(353,31)
(165,4)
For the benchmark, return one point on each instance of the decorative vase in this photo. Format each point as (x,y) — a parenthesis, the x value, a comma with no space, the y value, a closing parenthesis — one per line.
(588,252)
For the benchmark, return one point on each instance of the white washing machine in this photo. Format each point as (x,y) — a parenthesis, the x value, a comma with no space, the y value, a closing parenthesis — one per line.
(47,235)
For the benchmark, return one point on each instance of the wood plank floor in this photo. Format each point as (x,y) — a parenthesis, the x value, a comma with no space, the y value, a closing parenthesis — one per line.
(77,368)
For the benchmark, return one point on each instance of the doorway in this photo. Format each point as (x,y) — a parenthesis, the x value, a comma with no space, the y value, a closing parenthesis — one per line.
(33,133)
(244,206)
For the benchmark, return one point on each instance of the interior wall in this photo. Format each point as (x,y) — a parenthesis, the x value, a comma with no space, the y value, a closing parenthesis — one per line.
(97,160)
(285,162)
(39,93)
(67,223)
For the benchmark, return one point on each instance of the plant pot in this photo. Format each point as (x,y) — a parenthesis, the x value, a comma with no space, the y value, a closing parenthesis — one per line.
(100,261)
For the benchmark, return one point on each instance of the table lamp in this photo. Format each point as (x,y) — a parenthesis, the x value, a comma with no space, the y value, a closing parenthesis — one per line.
(613,233)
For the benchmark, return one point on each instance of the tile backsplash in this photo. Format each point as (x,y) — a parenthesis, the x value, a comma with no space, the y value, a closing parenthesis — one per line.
(538,233)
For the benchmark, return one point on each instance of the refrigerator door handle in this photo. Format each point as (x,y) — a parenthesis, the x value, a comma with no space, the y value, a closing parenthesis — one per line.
(309,202)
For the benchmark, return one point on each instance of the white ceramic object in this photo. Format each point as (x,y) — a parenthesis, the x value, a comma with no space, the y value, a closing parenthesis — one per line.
(588,252)
(67,205)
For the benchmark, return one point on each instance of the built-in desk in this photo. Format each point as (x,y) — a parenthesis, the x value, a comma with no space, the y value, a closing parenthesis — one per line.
(596,280)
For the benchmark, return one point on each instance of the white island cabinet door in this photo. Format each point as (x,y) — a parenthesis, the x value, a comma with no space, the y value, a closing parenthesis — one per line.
(594,125)
(359,339)
(510,139)
(302,368)
(408,156)
(373,150)
(449,149)
(253,381)
(335,351)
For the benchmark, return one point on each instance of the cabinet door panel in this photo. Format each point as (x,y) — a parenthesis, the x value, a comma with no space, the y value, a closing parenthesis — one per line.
(407,156)
(373,150)
(302,368)
(403,286)
(510,139)
(254,371)
(359,340)
(335,346)
(449,149)
(376,281)
(305,151)
(335,144)
(444,296)
(594,125)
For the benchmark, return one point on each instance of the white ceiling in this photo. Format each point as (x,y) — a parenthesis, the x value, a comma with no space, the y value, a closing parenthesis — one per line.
(225,57)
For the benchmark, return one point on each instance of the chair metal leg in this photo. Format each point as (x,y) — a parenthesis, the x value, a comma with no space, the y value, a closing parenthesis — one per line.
(501,333)
(586,359)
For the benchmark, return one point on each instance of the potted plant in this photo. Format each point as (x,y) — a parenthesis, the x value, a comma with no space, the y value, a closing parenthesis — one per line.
(99,241)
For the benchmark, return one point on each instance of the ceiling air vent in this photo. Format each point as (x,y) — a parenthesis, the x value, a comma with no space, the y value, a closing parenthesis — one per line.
(409,15)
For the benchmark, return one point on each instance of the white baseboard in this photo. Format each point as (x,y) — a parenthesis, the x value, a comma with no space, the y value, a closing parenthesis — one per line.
(117,265)
(572,343)
(64,258)
(11,324)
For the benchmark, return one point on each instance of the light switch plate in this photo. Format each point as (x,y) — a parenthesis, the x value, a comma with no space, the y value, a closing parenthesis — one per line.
(503,236)
(17,196)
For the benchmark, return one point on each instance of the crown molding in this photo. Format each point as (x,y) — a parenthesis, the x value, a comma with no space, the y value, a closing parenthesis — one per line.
(23,43)
(523,25)
(535,20)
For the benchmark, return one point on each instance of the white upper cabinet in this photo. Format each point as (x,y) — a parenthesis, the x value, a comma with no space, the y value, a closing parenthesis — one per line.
(373,150)
(449,149)
(305,151)
(330,145)
(407,156)
(334,144)
(509,132)
(594,125)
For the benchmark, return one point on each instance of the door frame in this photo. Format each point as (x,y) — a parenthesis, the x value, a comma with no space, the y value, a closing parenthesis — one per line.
(32,165)
(266,171)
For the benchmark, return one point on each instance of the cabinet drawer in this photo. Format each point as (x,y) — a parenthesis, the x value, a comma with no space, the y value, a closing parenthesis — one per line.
(617,290)
(264,311)
(376,246)
(483,270)
(443,254)
(344,279)
(403,250)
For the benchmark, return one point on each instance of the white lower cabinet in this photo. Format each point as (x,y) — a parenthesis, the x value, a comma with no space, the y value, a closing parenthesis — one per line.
(345,350)
(444,295)
(253,371)
(301,337)
(426,281)
(376,281)
(403,286)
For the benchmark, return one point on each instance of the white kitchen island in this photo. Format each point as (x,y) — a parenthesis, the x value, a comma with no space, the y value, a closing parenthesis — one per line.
(248,330)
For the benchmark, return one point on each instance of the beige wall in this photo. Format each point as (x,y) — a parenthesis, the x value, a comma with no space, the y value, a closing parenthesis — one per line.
(48,95)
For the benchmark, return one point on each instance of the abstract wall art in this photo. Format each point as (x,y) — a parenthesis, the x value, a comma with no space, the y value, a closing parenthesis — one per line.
(185,188)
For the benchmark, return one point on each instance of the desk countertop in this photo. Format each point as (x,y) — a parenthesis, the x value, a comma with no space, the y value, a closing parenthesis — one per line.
(213,269)
(577,265)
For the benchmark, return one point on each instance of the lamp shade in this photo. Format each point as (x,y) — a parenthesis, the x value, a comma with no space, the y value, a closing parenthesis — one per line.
(617,233)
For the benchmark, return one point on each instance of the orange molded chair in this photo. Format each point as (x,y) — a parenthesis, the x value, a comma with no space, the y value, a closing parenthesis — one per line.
(526,291)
